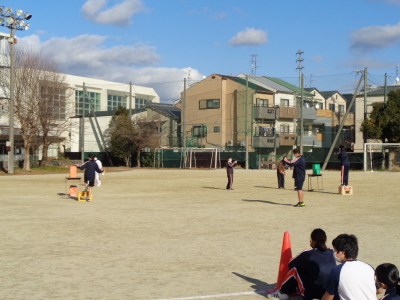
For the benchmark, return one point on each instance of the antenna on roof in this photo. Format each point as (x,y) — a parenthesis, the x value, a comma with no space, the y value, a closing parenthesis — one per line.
(254,62)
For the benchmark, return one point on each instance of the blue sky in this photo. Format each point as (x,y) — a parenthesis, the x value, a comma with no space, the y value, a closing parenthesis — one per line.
(157,43)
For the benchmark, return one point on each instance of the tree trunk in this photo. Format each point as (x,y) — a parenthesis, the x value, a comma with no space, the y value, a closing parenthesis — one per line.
(27,160)
(138,159)
(45,150)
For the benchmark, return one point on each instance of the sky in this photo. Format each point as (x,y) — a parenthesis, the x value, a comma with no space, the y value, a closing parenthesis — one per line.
(158,43)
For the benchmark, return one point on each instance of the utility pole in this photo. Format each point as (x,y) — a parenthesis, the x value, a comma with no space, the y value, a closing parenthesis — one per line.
(184,123)
(130,100)
(365,97)
(301,85)
(246,123)
(301,112)
(83,124)
(385,89)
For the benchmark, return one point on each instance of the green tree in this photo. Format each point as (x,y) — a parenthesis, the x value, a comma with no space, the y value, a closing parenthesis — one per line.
(121,135)
(384,122)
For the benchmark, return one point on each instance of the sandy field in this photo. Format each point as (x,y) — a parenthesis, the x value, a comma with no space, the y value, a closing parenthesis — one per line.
(178,234)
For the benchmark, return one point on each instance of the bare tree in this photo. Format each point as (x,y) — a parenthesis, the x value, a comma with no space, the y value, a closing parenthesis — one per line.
(40,113)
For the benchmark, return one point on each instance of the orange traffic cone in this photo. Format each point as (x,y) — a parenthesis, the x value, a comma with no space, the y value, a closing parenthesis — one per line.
(286,256)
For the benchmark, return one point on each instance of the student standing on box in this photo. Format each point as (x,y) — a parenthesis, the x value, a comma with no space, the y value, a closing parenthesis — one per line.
(229,172)
(280,173)
(345,166)
(299,174)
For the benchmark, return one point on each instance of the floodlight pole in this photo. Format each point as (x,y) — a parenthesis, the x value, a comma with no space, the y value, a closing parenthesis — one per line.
(11,104)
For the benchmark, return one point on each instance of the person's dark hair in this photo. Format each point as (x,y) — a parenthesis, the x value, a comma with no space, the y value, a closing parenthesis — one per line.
(90,156)
(229,158)
(319,237)
(341,147)
(296,151)
(387,274)
(347,243)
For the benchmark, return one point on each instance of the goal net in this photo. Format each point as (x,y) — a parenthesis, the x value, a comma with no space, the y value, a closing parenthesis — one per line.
(381,156)
(187,158)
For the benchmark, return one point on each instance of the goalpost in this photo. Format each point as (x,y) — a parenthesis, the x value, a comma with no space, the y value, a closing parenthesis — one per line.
(375,156)
(187,158)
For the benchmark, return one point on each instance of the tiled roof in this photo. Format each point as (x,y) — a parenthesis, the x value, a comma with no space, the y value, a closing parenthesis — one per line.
(290,86)
(242,81)
(272,84)
(381,90)
(167,109)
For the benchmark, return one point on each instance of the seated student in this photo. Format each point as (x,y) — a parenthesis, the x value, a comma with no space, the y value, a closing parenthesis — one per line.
(353,279)
(387,277)
(309,271)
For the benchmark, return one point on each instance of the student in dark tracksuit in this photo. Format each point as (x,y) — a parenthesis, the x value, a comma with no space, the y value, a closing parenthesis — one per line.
(229,172)
(280,173)
(309,271)
(90,168)
(387,277)
(345,166)
(299,174)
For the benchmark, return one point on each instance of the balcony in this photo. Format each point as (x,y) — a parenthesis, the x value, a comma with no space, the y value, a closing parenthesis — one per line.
(286,112)
(265,112)
(309,113)
(265,142)
(286,139)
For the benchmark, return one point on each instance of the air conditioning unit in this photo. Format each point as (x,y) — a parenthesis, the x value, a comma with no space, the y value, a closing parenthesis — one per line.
(229,143)
(243,143)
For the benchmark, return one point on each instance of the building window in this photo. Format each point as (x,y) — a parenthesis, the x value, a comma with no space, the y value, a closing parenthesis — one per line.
(332,107)
(199,131)
(284,102)
(88,102)
(209,104)
(114,101)
(341,108)
(140,103)
(262,102)
(217,129)
(318,105)
(284,128)
(55,102)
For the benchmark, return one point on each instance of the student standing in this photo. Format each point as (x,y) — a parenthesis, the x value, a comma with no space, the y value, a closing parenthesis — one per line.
(229,171)
(299,174)
(280,173)
(100,165)
(352,279)
(345,166)
(90,168)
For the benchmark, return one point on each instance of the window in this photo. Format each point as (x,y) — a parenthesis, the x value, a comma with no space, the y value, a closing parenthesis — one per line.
(217,129)
(318,105)
(87,102)
(284,102)
(114,101)
(262,102)
(332,107)
(140,103)
(209,104)
(341,108)
(284,128)
(55,102)
(199,131)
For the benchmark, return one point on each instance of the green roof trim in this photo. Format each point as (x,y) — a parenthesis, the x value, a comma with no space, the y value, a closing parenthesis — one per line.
(290,86)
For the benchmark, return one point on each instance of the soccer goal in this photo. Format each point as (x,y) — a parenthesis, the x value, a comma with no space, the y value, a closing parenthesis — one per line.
(381,156)
(187,158)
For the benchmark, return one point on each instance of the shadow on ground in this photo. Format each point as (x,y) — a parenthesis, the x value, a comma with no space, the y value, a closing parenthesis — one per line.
(267,202)
(259,286)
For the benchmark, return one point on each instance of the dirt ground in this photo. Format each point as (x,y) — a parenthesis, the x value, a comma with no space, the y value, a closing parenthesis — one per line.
(178,234)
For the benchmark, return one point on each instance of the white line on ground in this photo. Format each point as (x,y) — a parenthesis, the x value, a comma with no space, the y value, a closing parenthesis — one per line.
(217,296)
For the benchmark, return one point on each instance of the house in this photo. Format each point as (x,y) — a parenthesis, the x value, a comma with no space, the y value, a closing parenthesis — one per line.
(362,103)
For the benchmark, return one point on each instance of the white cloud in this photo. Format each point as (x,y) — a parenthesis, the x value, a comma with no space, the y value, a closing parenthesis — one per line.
(249,36)
(86,56)
(119,15)
(374,37)
(317,59)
